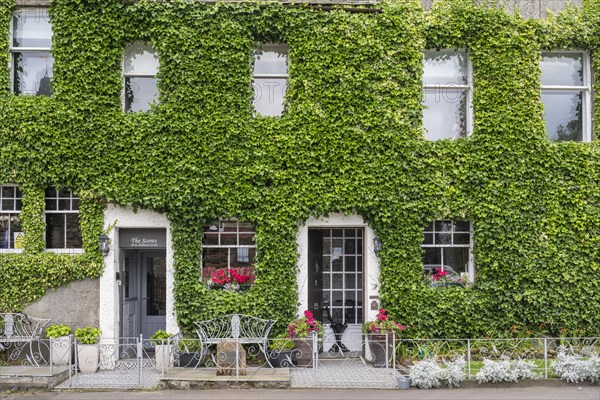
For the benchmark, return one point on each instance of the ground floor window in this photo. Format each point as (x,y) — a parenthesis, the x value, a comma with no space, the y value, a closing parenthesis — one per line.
(447,246)
(228,251)
(62,220)
(11,233)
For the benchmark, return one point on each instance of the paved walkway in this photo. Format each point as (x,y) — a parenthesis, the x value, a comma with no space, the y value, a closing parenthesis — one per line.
(532,393)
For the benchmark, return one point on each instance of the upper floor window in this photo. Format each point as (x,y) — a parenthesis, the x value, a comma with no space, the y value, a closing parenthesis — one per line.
(30,42)
(140,66)
(448,245)
(11,233)
(566,89)
(269,79)
(228,245)
(62,220)
(447,86)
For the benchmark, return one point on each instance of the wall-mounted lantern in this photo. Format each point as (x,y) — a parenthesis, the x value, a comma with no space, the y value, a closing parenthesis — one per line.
(104,244)
(378,245)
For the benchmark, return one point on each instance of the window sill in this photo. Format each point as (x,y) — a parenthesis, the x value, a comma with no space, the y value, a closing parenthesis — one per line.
(65,251)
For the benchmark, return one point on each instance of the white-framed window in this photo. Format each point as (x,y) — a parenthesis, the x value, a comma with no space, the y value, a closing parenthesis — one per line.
(228,244)
(447,92)
(566,94)
(31,61)
(140,66)
(11,232)
(449,245)
(62,220)
(269,78)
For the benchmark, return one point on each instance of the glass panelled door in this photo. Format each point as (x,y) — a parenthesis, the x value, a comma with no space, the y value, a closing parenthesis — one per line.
(143,292)
(336,274)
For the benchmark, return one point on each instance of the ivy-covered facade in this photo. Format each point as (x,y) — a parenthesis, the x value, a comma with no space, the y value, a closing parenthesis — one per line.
(347,159)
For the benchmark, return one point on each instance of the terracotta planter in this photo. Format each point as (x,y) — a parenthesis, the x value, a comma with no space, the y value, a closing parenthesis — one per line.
(377,344)
(61,350)
(303,352)
(88,356)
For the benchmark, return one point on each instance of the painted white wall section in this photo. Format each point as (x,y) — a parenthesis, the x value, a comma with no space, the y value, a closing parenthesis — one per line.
(109,289)
(371,261)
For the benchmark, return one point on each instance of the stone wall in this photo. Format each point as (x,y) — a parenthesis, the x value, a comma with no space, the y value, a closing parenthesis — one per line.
(76,304)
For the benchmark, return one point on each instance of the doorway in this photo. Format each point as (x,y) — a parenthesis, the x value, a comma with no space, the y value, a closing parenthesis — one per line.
(143,292)
(335,277)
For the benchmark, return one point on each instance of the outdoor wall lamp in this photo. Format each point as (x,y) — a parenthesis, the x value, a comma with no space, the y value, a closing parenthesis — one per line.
(378,244)
(103,243)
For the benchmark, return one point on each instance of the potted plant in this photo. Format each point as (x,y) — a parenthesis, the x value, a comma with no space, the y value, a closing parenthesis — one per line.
(230,280)
(299,330)
(162,349)
(189,355)
(60,344)
(281,352)
(88,353)
(380,339)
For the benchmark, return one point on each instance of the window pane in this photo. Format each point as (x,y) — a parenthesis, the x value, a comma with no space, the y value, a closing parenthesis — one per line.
(428,238)
(8,191)
(32,73)
(215,258)
(443,238)
(51,204)
(563,114)
(64,204)
(8,205)
(51,192)
(462,238)
(55,231)
(432,256)
(10,225)
(270,60)
(268,96)
(445,113)
(456,258)
(444,226)
(140,92)
(31,28)
(445,68)
(73,232)
(140,59)
(562,69)
(462,226)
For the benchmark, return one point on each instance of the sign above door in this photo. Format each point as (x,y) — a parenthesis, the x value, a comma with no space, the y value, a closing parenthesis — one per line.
(143,238)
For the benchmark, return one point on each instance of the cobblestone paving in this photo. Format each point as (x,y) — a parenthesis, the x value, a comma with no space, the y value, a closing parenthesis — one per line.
(349,374)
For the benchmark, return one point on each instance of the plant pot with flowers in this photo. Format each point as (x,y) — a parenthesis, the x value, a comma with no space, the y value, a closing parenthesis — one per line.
(440,277)
(380,336)
(88,353)
(281,352)
(60,344)
(301,331)
(230,280)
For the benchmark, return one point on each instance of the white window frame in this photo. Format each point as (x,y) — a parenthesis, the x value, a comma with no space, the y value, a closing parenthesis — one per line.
(67,250)
(138,75)
(586,107)
(229,246)
(13,49)
(8,212)
(286,76)
(471,261)
(468,87)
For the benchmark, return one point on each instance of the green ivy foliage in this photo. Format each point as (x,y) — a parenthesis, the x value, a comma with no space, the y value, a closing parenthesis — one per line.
(350,141)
